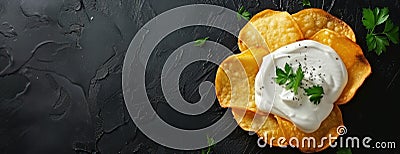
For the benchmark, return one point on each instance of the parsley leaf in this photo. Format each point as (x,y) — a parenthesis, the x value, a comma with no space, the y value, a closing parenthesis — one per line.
(368,18)
(381,15)
(379,41)
(283,76)
(306,3)
(200,42)
(242,13)
(297,80)
(391,31)
(316,93)
(289,78)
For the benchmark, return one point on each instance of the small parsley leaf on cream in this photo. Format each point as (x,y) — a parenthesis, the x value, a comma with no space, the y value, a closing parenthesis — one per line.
(298,78)
(283,76)
(315,93)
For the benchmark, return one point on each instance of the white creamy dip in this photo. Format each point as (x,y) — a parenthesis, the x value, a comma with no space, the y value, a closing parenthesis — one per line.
(321,66)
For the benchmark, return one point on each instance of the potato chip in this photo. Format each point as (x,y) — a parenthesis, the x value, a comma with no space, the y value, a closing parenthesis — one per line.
(269,130)
(312,20)
(315,141)
(234,82)
(249,35)
(357,65)
(271,29)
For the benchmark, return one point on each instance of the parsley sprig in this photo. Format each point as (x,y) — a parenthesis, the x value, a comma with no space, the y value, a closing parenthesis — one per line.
(378,41)
(243,13)
(293,80)
(290,79)
(315,93)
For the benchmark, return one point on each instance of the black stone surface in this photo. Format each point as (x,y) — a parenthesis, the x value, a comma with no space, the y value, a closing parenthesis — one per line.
(60,76)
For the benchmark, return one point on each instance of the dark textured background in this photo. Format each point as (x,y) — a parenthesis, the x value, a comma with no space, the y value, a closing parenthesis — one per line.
(60,76)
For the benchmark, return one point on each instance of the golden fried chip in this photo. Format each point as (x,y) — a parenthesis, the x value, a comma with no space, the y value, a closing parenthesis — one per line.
(250,35)
(357,65)
(312,20)
(269,28)
(322,138)
(249,121)
(234,82)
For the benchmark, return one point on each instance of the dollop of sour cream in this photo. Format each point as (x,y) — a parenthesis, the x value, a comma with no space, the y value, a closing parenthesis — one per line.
(321,66)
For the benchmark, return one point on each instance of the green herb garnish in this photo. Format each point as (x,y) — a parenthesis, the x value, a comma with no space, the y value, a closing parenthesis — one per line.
(200,42)
(344,151)
(283,76)
(379,41)
(306,3)
(292,80)
(316,93)
(211,143)
(297,79)
(242,13)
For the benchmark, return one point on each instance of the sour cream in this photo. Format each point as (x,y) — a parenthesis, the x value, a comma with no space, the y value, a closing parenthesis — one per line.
(321,66)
